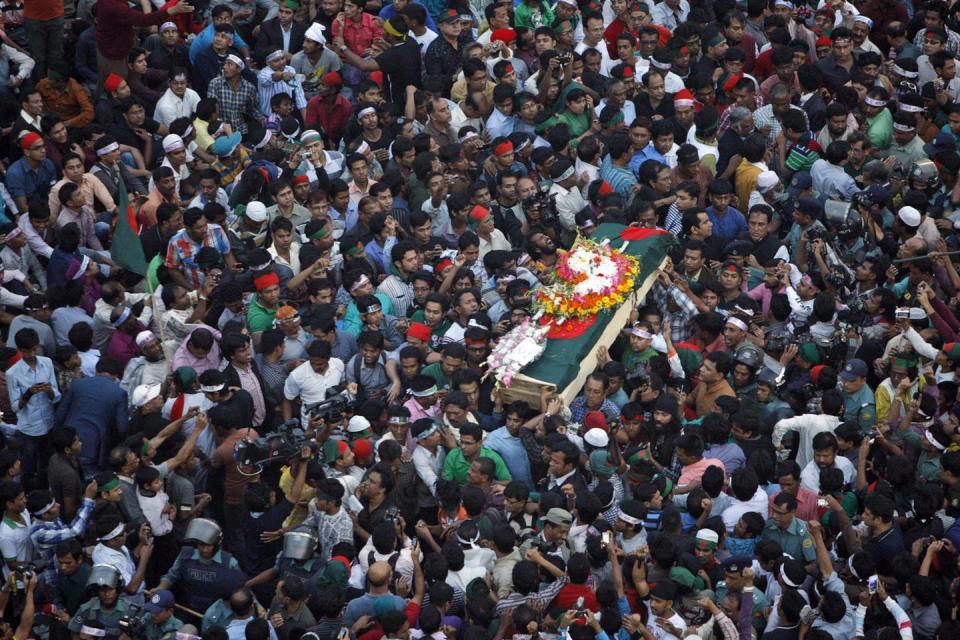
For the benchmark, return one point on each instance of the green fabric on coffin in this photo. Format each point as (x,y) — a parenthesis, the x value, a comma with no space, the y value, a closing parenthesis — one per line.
(562,362)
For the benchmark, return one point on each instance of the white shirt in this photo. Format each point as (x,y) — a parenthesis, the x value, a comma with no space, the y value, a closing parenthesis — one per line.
(662,634)
(628,110)
(757,504)
(170,106)
(606,63)
(429,465)
(310,386)
(497,241)
(15,543)
(119,558)
(569,203)
(808,426)
(664,16)
(424,40)
(810,476)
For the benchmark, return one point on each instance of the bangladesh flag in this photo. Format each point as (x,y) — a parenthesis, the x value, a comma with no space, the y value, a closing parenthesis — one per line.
(126,249)
(567,360)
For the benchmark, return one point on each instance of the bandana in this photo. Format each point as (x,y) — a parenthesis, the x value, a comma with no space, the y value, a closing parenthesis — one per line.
(310,136)
(738,323)
(426,434)
(112,83)
(365,112)
(683,99)
(168,25)
(359,283)
(266,281)
(503,148)
(110,148)
(426,393)
(642,334)
(373,308)
(783,3)
(13,233)
(276,55)
(615,120)
(732,81)
(707,539)
(123,317)
(117,531)
(393,31)
(903,72)
(93,631)
(873,102)
(906,363)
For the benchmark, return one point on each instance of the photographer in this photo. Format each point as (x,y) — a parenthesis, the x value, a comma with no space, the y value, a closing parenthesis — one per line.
(24,627)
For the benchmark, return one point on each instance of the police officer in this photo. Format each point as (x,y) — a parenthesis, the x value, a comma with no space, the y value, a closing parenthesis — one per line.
(200,573)
(743,377)
(105,607)
(296,559)
(160,623)
(859,403)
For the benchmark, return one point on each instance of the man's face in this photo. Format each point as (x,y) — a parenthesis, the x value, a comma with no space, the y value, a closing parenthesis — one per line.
(221,41)
(593,393)
(270,296)
(135,115)
(781,104)
(359,170)
(455,415)
(166,186)
(543,42)
(37,152)
(558,464)
(663,143)
(789,484)
(693,260)
(709,373)
(639,138)
(451,29)
(285,16)
(198,231)
(757,226)
(824,458)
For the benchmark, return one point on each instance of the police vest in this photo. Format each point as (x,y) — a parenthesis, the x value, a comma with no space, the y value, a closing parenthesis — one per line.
(306,571)
(203,583)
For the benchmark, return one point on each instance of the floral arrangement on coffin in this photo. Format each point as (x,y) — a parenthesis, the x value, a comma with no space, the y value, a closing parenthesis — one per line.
(591,277)
(524,344)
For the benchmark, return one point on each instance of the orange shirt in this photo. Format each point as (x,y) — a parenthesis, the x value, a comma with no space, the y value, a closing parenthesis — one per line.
(43,9)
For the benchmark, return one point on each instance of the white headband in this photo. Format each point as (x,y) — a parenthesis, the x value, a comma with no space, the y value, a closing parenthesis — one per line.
(903,127)
(124,315)
(933,441)
(683,102)
(426,393)
(738,323)
(118,530)
(468,135)
(659,65)
(169,25)
(235,59)
(864,19)
(359,283)
(426,434)
(363,148)
(852,570)
(642,333)
(903,72)
(873,102)
(110,148)
(93,631)
(910,108)
(211,388)
(566,175)
(628,518)
(788,581)
(46,508)
(365,112)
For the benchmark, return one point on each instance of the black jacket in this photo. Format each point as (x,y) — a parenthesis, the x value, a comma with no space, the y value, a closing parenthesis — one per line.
(270,39)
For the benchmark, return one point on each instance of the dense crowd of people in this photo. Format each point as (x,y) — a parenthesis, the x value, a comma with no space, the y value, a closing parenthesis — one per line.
(256,255)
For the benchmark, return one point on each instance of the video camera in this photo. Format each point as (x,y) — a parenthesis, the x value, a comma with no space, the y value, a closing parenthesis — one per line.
(133,623)
(545,202)
(331,408)
(279,445)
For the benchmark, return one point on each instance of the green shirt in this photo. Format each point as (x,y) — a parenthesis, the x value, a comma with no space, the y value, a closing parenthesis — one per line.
(435,371)
(794,540)
(166,631)
(72,589)
(91,609)
(259,318)
(880,130)
(456,467)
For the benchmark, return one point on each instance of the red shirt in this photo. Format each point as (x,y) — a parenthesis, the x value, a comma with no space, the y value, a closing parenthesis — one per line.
(763,69)
(43,9)
(358,37)
(616,27)
(115,26)
(568,595)
(331,118)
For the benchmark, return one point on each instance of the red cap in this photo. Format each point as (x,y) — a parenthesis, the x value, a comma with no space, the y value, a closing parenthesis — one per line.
(419,331)
(503,148)
(112,83)
(824,41)
(683,98)
(301,179)
(442,265)
(362,449)
(503,35)
(815,373)
(332,78)
(595,420)
(266,280)
(479,213)
(27,141)
(605,188)
(377,76)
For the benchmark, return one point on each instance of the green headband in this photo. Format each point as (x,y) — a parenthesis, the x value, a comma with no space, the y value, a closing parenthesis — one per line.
(109,486)
(615,120)
(319,234)
(907,363)
(355,250)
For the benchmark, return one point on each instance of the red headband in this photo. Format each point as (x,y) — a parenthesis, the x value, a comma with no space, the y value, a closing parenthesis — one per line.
(301,179)
(503,148)
(419,331)
(605,188)
(479,213)
(266,281)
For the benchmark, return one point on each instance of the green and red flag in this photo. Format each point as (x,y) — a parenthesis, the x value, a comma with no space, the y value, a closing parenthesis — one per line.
(126,249)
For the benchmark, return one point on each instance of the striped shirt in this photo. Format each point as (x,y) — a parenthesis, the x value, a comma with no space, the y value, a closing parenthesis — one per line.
(269,87)
(621,179)
(47,535)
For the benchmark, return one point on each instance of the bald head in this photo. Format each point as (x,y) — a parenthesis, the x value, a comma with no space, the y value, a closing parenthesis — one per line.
(379,574)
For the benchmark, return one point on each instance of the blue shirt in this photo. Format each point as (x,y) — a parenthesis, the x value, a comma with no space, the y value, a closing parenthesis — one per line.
(649,152)
(389,11)
(23,181)
(204,41)
(730,226)
(36,418)
(514,455)
(621,179)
